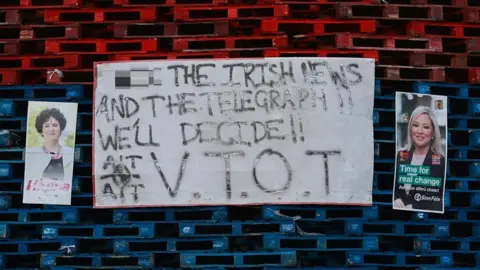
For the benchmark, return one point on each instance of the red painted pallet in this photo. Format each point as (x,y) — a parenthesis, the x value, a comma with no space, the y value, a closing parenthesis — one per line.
(9,48)
(458,3)
(390,11)
(323,1)
(9,17)
(445,29)
(379,42)
(438,74)
(26,4)
(100,46)
(39,62)
(142,3)
(99,15)
(369,42)
(40,32)
(454,60)
(474,75)
(472,14)
(230,43)
(210,13)
(463,45)
(138,30)
(321,53)
(78,76)
(317,26)
(177,55)
(9,77)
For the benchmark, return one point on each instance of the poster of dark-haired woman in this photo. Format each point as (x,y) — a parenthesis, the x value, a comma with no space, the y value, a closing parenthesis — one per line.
(421,143)
(49,152)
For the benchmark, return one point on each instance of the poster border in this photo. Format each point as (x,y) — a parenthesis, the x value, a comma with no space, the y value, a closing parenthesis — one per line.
(94,90)
(396,157)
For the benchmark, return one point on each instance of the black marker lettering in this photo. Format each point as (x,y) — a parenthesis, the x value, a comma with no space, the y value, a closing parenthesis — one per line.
(223,103)
(244,100)
(287,74)
(119,108)
(248,69)
(230,82)
(203,137)
(351,68)
(186,141)
(184,102)
(325,155)
(231,140)
(181,173)
(135,190)
(123,139)
(263,82)
(270,152)
(150,135)
(203,76)
(111,140)
(274,95)
(274,129)
(103,109)
(262,103)
(303,95)
(128,112)
(292,127)
(152,98)
(209,100)
(257,139)
(226,157)
(133,157)
(107,189)
(288,99)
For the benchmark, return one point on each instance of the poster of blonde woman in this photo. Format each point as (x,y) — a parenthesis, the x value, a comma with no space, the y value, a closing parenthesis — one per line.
(421,152)
(49,152)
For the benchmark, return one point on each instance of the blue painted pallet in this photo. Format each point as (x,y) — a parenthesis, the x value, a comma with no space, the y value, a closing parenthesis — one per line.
(14,107)
(133,246)
(145,260)
(52,92)
(200,260)
(409,228)
(6,171)
(445,259)
(28,247)
(39,216)
(279,212)
(18,124)
(215,214)
(235,228)
(4,231)
(432,244)
(466,104)
(331,243)
(143,230)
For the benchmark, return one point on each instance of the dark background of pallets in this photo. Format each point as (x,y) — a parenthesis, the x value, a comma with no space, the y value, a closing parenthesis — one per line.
(47,51)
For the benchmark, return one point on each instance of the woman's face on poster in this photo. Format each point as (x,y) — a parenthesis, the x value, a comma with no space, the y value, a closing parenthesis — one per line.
(51,129)
(422,130)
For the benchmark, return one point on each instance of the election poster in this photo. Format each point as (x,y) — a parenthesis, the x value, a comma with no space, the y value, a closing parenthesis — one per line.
(49,152)
(421,152)
(233,132)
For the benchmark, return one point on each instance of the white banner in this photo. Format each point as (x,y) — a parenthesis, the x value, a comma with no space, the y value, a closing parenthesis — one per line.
(233,132)
(49,153)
